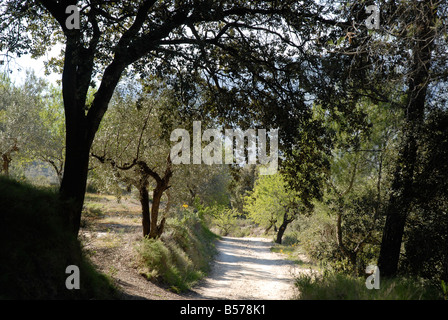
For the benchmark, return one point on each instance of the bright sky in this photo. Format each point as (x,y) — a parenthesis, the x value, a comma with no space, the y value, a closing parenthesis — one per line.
(19,66)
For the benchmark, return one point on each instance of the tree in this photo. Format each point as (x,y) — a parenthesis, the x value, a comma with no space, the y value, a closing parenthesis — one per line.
(9,140)
(402,186)
(134,151)
(271,204)
(358,180)
(403,63)
(48,144)
(32,123)
(200,39)
(206,183)
(20,125)
(426,232)
(243,180)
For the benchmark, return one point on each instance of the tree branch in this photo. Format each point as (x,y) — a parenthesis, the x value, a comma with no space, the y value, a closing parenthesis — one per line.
(140,18)
(125,166)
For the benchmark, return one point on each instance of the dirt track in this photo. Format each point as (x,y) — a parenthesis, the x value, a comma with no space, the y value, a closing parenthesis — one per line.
(246,269)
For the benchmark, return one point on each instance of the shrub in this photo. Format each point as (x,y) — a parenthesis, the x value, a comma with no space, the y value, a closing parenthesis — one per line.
(336,286)
(224,218)
(181,256)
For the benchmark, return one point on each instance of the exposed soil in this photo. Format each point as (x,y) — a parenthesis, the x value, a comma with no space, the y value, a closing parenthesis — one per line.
(109,240)
(244,268)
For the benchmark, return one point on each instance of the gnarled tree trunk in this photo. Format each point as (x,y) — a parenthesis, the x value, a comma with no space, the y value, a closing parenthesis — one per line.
(151,227)
(282,229)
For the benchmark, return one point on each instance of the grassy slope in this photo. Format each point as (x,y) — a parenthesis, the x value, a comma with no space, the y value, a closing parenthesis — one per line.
(35,249)
(182,256)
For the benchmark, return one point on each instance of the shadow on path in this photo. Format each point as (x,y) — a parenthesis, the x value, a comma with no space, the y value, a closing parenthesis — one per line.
(245,268)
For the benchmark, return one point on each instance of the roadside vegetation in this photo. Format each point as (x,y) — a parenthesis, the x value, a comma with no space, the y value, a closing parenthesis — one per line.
(358,122)
(337,286)
(181,256)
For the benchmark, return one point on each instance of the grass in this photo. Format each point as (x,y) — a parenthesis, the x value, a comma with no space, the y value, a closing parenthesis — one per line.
(177,260)
(295,254)
(181,256)
(343,287)
(36,247)
(317,285)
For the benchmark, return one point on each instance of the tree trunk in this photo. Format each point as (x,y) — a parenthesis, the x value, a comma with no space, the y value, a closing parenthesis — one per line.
(73,185)
(81,127)
(144,202)
(280,232)
(445,261)
(272,224)
(401,191)
(6,157)
(282,228)
(156,230)
(151,229)
(5,165)
(350,254)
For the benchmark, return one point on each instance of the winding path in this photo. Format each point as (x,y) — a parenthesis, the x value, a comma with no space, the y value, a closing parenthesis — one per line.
(246,269)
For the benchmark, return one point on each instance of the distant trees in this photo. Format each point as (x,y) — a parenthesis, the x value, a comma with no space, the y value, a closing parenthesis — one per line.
(134,150)
(49,142)
(31,123)
(19,117)
(272,205)
(226,46)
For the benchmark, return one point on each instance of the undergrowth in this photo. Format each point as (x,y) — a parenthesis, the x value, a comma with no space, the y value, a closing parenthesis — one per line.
(181,256)
(337,286)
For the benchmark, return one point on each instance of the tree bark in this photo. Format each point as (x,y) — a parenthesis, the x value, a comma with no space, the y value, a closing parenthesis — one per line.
(401,197)
(144,202)
(74,181)
(280,232)
(155,230)
(350,254)
(282,229)
(6,159)
(5,164)
(81,127)
(445,262)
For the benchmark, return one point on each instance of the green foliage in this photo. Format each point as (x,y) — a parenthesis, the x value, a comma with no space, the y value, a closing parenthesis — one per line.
(305,167)
(242,182)
(337,286)
(204,183)
(223,217)
(36,247)
(32,127)
(444,289)
(273,204)
(269,200)
(426,237)
(317,236)
(181,256)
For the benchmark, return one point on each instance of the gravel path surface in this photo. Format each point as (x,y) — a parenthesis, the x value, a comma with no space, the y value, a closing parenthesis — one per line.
(246,269)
